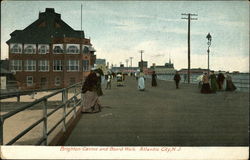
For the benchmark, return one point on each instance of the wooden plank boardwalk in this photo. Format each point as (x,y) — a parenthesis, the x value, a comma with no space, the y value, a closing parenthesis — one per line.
(164,116)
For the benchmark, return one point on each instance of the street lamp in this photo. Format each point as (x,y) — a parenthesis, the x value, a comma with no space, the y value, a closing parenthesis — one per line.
(141,67)
(209,38)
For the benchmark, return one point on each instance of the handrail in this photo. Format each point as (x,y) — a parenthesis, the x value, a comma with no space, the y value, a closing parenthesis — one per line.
(44,119)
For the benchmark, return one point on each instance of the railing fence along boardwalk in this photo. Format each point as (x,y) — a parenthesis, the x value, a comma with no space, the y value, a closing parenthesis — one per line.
(44,120)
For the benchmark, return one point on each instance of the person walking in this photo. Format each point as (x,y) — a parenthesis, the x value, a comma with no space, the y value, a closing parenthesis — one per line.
(177,79)
(108,86)
(154,76)
(229,83)
(214,86)
(91,103)
(205,88)
(141,81)
(99,74)
(220,80)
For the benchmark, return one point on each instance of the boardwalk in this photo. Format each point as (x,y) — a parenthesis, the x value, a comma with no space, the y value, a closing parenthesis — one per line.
(164,116)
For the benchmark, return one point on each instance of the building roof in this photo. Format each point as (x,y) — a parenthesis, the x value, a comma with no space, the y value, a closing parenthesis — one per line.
(49,25)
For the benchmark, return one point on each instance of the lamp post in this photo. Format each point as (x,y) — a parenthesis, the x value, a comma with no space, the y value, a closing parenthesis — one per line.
(141,67)
(209,38)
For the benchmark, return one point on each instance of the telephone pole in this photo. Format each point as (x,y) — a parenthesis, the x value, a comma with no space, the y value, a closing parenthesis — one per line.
(127,62)
(131,61)
(189,19)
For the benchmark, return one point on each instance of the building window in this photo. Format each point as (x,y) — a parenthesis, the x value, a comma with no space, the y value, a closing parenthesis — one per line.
(29,81)
(16,65)
(57,65)
(73,65)
(57,81)
(73,48)
(85,64)
(85,49)
(16,48)
(43,49)
(30,65)
(43,65)
(29,49)
(58,48)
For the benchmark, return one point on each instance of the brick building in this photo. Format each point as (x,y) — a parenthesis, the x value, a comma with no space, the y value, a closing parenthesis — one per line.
(49,53)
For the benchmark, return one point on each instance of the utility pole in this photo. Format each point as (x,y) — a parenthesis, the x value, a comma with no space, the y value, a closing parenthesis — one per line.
(141,67)
(189,19)
(131,61)
(127,62)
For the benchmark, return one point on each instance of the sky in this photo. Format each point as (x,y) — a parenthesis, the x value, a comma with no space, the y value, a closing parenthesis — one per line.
(120,29)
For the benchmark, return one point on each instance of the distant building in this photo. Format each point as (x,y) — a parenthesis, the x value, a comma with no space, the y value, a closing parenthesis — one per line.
(125,70)
(145,64)
(193,71)
(49,53)
(168,68)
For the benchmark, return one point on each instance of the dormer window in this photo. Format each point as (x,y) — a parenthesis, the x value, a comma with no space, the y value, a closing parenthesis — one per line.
(43,49)
(29,49)
(85,49)
(16,48)
(58,48)
(73,48)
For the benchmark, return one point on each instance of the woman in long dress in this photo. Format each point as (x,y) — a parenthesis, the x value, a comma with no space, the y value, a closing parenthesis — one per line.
(141,82)
(205,84)
(154,76)
(229,85)
(213,82)
(220,80)
(90,99)
(177,79)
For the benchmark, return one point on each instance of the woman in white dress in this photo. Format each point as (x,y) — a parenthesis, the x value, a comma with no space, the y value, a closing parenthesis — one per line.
(141,82)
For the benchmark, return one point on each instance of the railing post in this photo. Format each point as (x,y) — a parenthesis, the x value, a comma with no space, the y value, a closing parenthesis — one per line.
(45,120)
(65,98)
(18,98)
(1,130)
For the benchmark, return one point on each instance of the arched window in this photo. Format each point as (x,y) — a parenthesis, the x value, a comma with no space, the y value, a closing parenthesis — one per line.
(57,50)
(85,49)
(43,49)
(29,49)
(72,50)
(16,48)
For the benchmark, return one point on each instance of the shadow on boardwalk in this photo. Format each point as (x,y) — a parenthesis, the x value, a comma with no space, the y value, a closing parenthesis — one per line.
(164,116)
